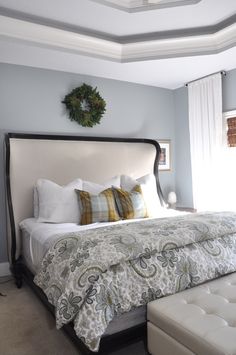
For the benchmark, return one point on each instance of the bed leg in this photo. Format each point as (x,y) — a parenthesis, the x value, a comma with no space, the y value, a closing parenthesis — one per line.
(17,273)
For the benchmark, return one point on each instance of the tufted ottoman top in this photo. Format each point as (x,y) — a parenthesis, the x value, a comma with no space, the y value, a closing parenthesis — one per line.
(202,318)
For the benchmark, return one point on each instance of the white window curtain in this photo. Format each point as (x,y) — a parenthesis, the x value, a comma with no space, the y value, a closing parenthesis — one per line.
(206,141)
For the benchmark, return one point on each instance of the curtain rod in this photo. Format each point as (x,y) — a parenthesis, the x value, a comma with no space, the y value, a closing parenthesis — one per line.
(222,72)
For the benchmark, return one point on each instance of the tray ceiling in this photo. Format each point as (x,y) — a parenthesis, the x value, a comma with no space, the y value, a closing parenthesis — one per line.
(96,18)
(106,41)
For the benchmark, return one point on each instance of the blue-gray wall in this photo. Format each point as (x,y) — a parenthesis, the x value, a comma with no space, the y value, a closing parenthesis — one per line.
(30,101)
(229,91)
(183,178)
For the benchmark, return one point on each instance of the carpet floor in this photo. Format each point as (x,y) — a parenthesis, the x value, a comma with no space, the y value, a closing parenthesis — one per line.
(27,328)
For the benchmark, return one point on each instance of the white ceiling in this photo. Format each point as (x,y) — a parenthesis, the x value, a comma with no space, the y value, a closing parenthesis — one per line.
(104,28)
(89,14)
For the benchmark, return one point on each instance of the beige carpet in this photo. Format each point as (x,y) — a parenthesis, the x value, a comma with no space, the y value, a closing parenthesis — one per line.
(27,328)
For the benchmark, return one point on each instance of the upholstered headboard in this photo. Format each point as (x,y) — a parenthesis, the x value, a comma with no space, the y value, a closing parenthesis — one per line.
(64,158)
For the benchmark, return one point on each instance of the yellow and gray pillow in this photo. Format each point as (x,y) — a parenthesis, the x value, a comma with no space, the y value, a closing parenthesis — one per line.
(97,208)
(130,204)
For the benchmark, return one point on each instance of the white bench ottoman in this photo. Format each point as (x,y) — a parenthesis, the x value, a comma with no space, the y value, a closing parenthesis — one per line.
(200,320)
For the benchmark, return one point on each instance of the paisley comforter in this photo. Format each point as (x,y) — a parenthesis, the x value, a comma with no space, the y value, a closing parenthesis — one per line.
(91,276)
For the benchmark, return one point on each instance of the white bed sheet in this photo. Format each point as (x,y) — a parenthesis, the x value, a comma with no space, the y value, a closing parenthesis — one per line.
(38,237)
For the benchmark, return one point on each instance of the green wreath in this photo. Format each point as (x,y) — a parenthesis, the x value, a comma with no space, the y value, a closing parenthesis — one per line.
(85,105)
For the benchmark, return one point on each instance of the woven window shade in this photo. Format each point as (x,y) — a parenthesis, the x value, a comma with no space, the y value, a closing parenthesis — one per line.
(231,134)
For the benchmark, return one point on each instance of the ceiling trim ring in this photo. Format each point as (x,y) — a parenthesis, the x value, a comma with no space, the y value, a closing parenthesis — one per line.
(125,39)
(132,6)
(67,41)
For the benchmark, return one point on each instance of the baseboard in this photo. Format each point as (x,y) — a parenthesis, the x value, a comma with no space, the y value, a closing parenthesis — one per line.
(4,269)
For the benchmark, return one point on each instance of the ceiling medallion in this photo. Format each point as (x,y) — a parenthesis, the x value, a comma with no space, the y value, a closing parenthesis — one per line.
(144,5)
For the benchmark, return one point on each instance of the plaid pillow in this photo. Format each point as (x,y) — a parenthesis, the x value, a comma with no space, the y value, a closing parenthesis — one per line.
(97,208)
(130,204)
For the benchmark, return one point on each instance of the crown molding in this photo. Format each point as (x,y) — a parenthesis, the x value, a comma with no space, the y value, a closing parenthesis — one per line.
(19,15)
(181,47)
(50,37)
(134,5)
(185,32)
(54,38)
(140,37)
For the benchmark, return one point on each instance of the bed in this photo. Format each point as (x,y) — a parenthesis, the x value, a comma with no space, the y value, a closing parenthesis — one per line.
(158,256)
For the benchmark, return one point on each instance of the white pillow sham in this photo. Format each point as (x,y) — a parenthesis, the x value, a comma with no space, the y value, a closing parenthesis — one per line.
(149,190)
(36,203)
(95,189)
(58,204)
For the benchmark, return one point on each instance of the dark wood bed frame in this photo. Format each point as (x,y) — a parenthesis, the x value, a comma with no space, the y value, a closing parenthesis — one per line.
(20,271)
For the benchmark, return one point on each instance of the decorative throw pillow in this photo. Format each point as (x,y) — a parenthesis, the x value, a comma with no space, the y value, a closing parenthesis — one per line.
(130,204)
(58,204)
(97,208)
(149,190)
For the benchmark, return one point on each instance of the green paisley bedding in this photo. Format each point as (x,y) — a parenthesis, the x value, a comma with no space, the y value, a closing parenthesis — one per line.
(93,275)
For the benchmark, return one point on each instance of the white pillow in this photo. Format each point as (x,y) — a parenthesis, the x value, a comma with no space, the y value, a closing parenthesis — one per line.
(149,190)
(95,189)
(58,204)
(36,203)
